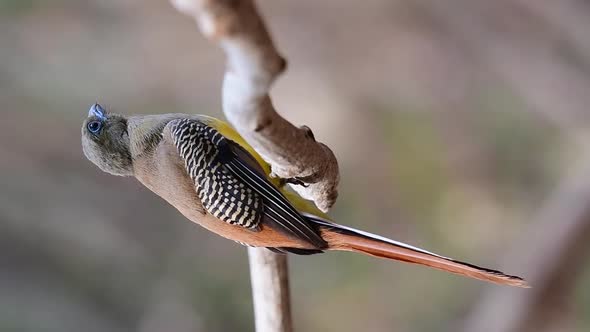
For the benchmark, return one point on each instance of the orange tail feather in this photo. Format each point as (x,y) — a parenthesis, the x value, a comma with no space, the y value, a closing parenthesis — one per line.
(349,239)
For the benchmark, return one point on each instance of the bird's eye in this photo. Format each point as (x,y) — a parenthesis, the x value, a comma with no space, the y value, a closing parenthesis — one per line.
(94,126)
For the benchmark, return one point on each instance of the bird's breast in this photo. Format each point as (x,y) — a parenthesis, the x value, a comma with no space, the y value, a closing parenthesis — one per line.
(164,173)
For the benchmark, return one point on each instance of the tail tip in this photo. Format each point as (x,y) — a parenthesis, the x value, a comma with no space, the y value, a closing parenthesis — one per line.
(518,282)
(509,280)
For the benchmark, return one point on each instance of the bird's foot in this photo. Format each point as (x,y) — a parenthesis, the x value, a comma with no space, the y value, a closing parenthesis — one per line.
(293,181)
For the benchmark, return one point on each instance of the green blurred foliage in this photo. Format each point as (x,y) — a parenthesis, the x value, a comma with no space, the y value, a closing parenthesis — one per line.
(524,151)
(16,7)
(419,170)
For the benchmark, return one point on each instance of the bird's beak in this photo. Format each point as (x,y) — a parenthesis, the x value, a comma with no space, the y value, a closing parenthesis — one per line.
(97,111)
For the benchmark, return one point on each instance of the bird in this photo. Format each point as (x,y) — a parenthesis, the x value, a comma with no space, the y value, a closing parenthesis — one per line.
(202,167)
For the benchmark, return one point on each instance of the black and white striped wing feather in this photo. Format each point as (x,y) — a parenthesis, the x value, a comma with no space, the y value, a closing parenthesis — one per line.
(226,163)
(220,192)
(277,208)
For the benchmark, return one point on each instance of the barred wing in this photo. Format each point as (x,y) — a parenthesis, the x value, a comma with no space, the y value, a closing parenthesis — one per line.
(224,173)
(221,193)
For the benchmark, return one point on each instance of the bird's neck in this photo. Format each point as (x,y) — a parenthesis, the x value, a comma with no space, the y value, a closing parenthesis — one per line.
(146,132)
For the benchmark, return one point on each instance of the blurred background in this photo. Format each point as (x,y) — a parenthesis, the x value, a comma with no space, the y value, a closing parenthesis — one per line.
(460,126)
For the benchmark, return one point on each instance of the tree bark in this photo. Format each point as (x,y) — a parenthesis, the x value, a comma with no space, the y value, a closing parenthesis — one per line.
(253,63)
(269,276)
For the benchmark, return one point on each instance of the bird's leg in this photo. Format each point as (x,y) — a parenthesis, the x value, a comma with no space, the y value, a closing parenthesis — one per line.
(294,181)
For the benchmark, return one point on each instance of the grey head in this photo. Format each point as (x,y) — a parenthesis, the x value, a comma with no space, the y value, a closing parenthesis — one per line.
(105,141)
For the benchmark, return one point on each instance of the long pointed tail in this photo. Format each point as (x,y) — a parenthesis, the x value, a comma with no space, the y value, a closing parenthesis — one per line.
(349,239)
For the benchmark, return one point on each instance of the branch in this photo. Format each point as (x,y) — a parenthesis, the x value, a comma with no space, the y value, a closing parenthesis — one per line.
(253,64)
(269,276)
(293,153)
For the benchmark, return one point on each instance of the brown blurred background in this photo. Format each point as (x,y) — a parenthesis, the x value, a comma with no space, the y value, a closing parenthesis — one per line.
(460,126)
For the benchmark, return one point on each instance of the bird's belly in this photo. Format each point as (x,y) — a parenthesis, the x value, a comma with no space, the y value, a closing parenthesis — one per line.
(168,179)
(265,237)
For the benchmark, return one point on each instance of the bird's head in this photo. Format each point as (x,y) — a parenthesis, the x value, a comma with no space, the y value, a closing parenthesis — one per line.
(105,141)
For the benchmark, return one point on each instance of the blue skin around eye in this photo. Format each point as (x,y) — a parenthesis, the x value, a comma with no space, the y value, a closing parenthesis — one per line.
(97,111)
